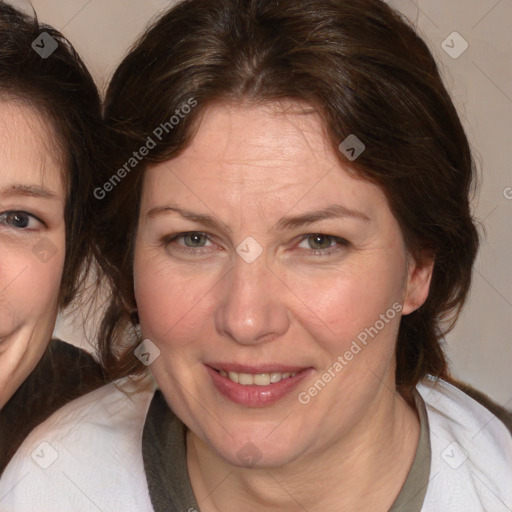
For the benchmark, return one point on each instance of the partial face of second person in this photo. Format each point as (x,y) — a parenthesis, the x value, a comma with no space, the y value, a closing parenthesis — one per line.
(32,241)
(325,260)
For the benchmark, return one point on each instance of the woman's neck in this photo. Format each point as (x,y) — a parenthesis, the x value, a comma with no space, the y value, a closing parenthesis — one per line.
(364,470)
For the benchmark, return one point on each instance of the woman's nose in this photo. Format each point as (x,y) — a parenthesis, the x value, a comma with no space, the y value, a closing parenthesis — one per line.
(252,307)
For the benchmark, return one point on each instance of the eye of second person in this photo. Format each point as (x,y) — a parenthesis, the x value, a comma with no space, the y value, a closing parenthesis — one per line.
(16,219)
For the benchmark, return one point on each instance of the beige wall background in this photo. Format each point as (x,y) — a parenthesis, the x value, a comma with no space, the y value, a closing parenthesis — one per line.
(480,80)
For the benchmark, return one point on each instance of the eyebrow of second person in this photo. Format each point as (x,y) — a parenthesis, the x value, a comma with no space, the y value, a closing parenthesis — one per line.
(28,191)
(289,222)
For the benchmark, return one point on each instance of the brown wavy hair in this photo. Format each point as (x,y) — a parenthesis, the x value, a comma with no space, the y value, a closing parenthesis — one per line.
(364,69)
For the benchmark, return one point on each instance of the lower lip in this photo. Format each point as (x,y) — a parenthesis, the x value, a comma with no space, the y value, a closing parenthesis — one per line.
(253,395)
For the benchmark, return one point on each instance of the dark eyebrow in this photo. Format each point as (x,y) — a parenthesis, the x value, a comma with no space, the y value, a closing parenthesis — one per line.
(332,211)
(202,218)
(28,191)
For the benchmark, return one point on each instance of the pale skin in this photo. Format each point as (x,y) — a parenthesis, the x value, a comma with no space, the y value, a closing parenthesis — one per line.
(32,200)
(301,302)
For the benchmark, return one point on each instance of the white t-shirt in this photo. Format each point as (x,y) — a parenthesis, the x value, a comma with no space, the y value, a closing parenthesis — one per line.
(88,456)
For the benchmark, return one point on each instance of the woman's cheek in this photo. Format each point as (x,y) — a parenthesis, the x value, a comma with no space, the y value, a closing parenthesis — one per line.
(166,302)
(34,278)
(47,262)
(7,316)
(342,298)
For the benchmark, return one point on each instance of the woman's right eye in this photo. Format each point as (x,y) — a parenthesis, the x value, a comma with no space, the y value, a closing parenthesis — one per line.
(19,220)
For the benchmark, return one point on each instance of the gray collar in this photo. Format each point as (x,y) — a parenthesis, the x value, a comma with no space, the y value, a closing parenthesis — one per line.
(165,462)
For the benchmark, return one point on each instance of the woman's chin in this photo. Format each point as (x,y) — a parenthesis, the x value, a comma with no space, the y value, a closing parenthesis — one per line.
(256,450)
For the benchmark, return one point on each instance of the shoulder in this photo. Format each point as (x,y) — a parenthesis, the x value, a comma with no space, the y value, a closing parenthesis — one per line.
(84,457)
(471,463)
(110,405)
(73,372)
(60,352)
(71,364)
(64,373)
(499,411)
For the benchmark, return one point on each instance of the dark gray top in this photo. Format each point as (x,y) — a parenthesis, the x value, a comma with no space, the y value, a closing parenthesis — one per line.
(64,373)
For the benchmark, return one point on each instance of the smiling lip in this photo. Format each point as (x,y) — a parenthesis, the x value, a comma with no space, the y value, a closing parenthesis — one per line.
(254,395)
(260,368)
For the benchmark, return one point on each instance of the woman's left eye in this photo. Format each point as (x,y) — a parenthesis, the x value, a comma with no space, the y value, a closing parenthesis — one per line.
(194,239)
(319,243)
(19,220)
(188,241)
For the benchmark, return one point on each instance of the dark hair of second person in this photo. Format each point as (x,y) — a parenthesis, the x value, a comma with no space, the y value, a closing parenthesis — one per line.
(62,90)
(56,96)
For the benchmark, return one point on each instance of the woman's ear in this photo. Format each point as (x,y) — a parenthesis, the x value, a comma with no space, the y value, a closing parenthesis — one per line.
(418,281)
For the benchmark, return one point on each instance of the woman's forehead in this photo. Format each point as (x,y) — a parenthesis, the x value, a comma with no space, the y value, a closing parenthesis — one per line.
(29,154)
(257,157)
(272,131)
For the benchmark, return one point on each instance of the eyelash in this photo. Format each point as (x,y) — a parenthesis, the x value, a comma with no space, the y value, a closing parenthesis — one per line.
(311,252)
(189,250)
(4,215)
(331,249)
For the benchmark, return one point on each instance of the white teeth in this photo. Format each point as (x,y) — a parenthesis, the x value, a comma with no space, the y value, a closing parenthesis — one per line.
(262,379)
(275,377)
(258,379)
(245,378)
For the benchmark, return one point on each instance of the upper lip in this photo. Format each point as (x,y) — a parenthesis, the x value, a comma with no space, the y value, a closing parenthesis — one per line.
(256,368)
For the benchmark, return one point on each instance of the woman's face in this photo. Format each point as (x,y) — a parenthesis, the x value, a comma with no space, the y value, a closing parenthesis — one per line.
(258,259)
(32,242)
